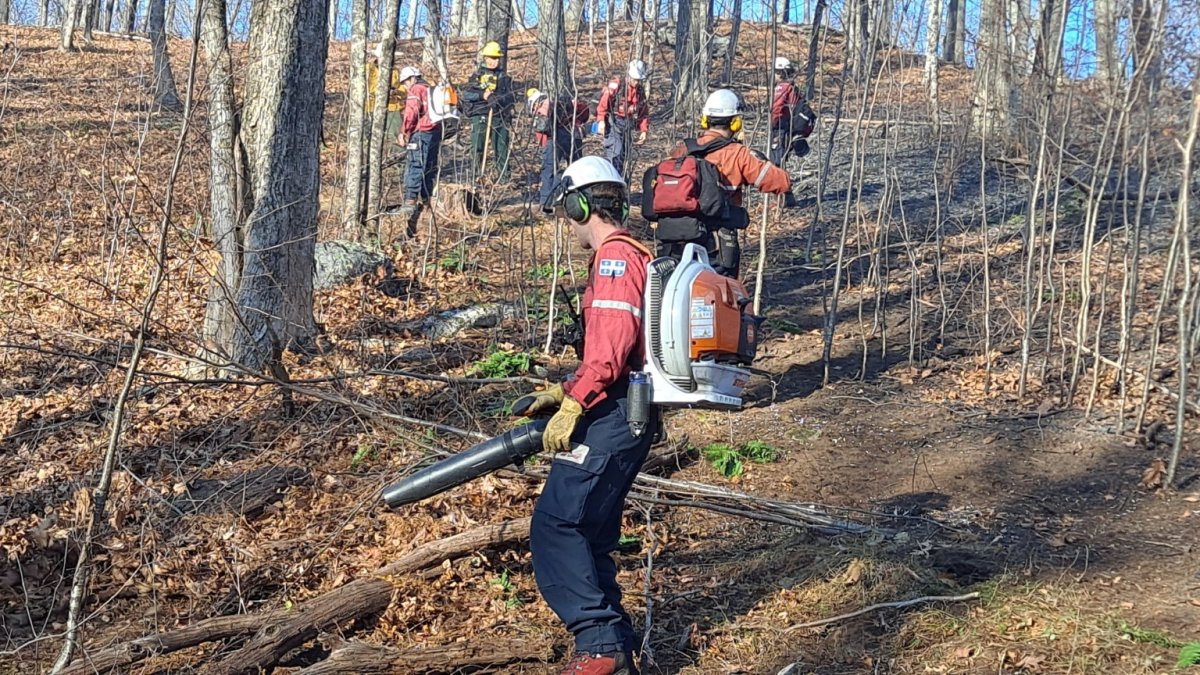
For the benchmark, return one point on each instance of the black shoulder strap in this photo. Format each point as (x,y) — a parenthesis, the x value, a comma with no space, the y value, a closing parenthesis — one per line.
(696,150)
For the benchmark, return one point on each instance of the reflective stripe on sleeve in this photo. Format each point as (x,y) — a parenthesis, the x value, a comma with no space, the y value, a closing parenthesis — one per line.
(762,174)
(617,304)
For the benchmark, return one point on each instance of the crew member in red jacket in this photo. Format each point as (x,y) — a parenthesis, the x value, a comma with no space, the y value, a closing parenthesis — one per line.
(622,107)
(560,120)
(792,119)
(423,137)
(577,520)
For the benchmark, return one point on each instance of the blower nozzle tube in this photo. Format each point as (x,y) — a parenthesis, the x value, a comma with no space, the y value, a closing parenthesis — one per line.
(512,447)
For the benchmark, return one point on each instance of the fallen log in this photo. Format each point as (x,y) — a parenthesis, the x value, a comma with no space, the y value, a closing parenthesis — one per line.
(278,631)
(359,657)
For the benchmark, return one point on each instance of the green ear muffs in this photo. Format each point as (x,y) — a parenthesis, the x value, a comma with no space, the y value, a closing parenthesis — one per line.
(576,206)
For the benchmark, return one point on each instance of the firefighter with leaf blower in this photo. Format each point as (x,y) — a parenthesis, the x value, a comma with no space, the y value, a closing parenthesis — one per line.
(695,196)
(597,453)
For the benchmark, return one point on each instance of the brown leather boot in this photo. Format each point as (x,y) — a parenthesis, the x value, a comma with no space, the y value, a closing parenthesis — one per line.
(583,663)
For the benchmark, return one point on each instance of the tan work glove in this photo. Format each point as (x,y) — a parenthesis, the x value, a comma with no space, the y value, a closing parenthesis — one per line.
(538,401)
(641,138)
(557,437)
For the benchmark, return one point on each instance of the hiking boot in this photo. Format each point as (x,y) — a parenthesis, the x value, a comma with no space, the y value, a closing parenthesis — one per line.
(583,663)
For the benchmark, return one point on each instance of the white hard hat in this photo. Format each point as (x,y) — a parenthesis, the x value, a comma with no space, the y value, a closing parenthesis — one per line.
(589,171)
(722,103)
(782,63)
(409,71)
(637,69)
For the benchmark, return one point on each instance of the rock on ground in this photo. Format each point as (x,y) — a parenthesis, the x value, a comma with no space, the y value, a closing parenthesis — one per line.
(341,262)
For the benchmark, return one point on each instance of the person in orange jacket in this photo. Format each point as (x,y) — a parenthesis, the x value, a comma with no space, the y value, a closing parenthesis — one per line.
(739,167)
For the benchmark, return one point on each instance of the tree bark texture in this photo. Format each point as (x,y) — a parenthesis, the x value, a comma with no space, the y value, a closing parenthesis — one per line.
(554,75)
(383,90)
(414,17)
(70,12)
(497,21)
(4,11)
(1107,68)
(933,33)
(128,21)
(954,45)
(814,45)
(333,19)
(352,206)
(993,96)
(434,42)
(220,314)
(44,12)
(574,16)
(691,57)
(170,22)
(858,38)
(91,12)
(457,7)
(285,101)
(1047,54)
(106,17)
(165,94)
(735,30)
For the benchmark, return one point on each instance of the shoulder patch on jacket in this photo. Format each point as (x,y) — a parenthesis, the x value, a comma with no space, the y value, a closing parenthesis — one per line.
(610,267)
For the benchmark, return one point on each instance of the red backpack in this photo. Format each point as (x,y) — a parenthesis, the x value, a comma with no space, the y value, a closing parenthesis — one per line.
(685,186)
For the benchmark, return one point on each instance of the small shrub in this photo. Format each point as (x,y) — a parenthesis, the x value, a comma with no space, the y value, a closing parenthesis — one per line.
(500,363)
(730,461)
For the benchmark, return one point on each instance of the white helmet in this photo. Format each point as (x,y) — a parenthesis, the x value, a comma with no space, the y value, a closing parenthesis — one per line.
(409,71)
(589,171)
(782,63)
(637,69)
(722,103)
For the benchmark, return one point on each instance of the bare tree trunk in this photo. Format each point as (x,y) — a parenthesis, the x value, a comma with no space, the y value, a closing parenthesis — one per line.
(518,14)
(333,20)
(4,11)
(735,30)
(70,12)
(880,25)
(435,46)
(414,15)
(1018,36)
(1107,68)
(954,47)
(106,17)
(164,82)
(992,92)
(221,314)
(130,17)
(574,15)
(1183,225)
(858,37)
(933,33)
(638,48)
(1047,53)
(169,23)
(814,43)
(497,22)
(44,13)
(472,19)
(691,58)
(456,17)
(383,92)
(90,11)
(553,72)
(285,100)
(352,208)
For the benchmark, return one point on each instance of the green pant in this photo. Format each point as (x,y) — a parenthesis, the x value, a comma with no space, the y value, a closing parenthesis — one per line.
(394,122)
(498,146)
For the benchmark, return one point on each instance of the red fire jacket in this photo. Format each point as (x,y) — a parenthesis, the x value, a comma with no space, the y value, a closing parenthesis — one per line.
(612,320)
(632,106)
(783,102)
(416,109)
(571,115)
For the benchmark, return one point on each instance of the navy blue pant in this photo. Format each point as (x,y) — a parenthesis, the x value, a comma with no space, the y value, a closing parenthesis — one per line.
(577,523)
(616,140)
(566,147)
(423,148)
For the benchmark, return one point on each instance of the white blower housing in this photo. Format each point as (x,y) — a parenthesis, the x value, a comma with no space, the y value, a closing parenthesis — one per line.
(697,331)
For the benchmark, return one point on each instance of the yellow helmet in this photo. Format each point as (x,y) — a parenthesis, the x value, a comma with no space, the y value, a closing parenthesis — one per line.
(493,50)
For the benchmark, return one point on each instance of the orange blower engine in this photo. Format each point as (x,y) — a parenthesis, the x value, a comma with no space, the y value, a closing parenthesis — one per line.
(698,330)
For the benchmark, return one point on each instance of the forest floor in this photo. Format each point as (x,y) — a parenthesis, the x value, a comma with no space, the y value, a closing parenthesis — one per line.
(1041,509)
